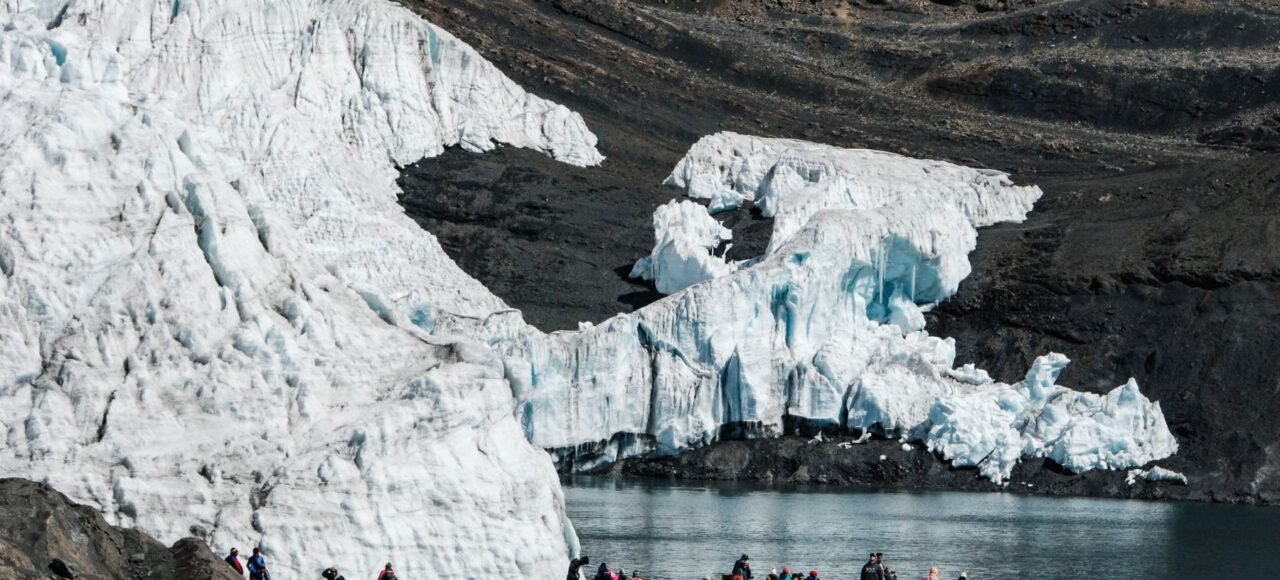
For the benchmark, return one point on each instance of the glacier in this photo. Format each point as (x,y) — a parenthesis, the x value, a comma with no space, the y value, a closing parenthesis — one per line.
(824,329)
(214,317)
(216,320)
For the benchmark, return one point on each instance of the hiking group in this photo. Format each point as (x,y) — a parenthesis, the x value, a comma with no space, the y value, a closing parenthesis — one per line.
(257,567)
(875,569)
(578,571)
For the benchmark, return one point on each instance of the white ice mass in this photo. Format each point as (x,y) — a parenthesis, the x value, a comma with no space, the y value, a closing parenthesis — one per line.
(215,319)
(1156,473)
(825,327)
(684,250)
(201,256)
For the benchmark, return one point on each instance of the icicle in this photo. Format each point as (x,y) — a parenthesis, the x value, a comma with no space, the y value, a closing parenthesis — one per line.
(912,297)
(880,266)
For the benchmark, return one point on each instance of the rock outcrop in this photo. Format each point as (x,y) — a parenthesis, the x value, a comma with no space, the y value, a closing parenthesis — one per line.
(45,535)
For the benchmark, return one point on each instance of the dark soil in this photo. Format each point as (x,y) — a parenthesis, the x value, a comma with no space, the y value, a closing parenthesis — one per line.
(44,535)
(1152,126)
(800,461)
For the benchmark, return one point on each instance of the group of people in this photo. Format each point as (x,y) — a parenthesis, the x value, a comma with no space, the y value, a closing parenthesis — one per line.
(388,573)
(742,570)
(875,569)
(257,566)
(578,571)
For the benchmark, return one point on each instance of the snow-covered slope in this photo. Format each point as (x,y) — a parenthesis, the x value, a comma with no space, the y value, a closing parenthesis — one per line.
(825,327)
(212,310)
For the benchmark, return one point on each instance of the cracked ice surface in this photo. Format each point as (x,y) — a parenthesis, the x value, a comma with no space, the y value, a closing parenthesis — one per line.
(826,326)
(213,309)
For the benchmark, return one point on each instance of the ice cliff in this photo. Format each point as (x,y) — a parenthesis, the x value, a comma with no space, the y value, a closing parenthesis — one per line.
(201,262)
(216,320)
(825,327)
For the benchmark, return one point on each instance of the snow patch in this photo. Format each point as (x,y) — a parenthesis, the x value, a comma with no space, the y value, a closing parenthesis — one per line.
(1156,473)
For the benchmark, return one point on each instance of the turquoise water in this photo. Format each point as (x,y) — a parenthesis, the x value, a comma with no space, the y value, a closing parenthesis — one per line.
(689,531)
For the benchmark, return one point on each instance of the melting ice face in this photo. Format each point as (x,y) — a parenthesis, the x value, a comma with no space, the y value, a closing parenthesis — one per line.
(217,320)
(212,309)
(826,326)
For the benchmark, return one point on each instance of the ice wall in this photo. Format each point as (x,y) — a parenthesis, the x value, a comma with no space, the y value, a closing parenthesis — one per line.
(213,313)
(826,326)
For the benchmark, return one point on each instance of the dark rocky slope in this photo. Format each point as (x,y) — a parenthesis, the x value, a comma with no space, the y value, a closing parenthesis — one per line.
(44,535)
(839,460)
(1151,126)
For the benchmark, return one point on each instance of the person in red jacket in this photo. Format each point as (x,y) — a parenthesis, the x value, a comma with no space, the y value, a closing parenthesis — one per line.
(387,573)
(234,560)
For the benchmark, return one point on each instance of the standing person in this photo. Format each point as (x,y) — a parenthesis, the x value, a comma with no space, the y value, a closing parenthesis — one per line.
(234,560)
(813,575)
(576,571)
(933,574)
(388,573)
(743,567)
(603,572)
(889,573)
(872,570)
(258,566)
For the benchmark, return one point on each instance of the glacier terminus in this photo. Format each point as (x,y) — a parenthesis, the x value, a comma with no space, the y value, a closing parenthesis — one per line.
(216,320)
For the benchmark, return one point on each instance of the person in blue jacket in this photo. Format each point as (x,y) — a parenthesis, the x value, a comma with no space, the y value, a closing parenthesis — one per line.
(257,567)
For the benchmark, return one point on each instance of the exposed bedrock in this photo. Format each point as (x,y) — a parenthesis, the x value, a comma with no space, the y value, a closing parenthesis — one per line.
(838,460)
(47,535)
(1154,252)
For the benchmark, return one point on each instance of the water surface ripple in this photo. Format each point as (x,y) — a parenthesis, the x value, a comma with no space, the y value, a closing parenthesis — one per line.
(689,531)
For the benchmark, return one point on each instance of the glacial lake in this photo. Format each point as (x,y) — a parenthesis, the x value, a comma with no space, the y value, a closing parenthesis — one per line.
(688,531)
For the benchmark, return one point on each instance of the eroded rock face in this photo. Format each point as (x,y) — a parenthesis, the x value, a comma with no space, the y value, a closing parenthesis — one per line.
(47,535)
